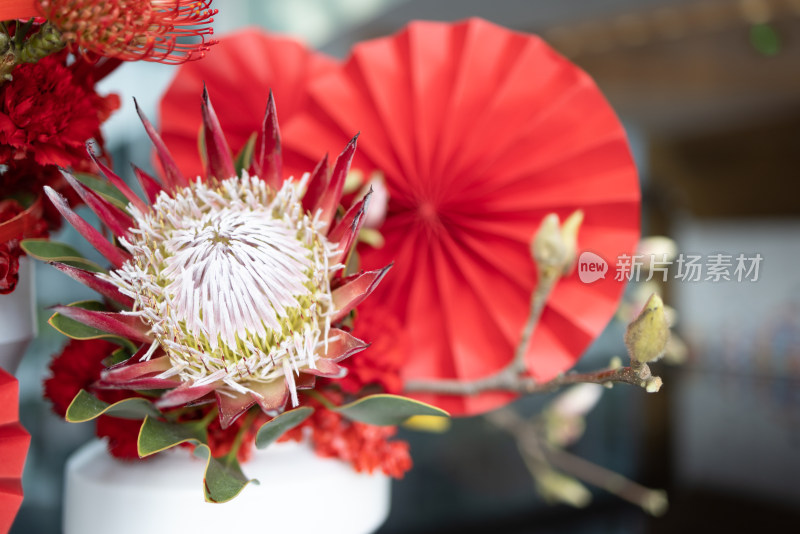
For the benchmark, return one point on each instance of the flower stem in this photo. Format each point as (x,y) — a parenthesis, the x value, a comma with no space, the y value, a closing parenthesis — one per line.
(246,424)
(539,456)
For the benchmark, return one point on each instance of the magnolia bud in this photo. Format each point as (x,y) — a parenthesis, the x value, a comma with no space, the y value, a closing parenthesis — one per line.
(548,247)
(569,235)
(557,487)
(647,336)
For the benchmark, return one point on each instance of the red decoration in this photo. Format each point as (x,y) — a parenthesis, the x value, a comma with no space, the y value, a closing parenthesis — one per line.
(480,132)
(239,74)
(14,442)
(17,9)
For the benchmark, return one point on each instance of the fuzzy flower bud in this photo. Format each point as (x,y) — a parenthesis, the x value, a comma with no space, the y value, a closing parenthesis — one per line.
(41,44)
(569,235)
(548,248)
(557,487)
(647,336)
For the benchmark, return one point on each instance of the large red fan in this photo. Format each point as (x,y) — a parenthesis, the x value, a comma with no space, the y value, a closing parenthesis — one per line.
(239,72)
(480,132)
(14,442)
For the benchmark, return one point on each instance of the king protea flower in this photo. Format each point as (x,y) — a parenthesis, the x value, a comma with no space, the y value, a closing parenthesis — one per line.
(233,284)
(133,30)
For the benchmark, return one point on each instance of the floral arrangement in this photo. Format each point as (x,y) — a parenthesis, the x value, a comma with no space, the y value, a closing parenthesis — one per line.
(235,310)
(190,260)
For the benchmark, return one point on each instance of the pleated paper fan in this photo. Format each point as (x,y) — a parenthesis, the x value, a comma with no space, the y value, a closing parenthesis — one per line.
(480,132)
(239,72)
(14,442)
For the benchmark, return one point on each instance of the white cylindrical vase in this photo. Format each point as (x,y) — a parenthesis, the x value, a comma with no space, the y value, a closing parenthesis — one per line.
(299,492)
(18,318)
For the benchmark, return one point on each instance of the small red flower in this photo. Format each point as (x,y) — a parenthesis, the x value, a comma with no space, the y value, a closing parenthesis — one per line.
(15,223)
(131,30)
(365,447)
(9,267)
(76,368)
(122,436)
(380,363)
(34,122)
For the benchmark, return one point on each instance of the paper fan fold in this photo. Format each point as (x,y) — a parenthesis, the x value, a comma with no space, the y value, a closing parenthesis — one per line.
(14,443)
(480,132)
(239,72)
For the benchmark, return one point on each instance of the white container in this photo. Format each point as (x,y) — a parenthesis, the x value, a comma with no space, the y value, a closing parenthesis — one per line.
(18,318)
(299,493)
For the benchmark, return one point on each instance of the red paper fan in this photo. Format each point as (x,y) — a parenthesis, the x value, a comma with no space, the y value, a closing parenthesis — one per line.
(239,72)
(14,442)
(480,132)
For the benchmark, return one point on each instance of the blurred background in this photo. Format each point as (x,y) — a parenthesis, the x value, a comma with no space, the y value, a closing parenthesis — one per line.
(709,91)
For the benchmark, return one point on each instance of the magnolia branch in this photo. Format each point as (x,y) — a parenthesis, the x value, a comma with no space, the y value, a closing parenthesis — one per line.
(513,377)
(540,458)
(638,374)
(553,250)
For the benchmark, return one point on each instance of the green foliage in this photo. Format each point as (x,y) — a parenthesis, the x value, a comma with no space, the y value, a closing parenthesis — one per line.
(245,157)
(76,330)
(275,428)
(765,39)
(45,250)
(85,407)
(387,410)
(104,188)
(156,436)
(222,479)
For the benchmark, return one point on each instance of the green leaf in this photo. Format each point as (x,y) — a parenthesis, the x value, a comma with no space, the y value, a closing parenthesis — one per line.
(765,39)
(387,410)
(275,428)
(45,250)
(118,356)
(104,188)
(223,478)
(156,436)
(245,157)
(76,330)
(85,407)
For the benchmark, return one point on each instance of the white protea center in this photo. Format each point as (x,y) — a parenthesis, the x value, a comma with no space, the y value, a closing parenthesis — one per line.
(233,279)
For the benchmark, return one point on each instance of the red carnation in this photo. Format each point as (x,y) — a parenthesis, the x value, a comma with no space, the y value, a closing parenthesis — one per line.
(122,436)
(381,362)
(36,124)
(76,368)
(15,223)
(9,267)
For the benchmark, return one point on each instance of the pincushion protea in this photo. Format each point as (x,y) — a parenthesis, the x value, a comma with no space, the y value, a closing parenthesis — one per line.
(231,285)
(132,30)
